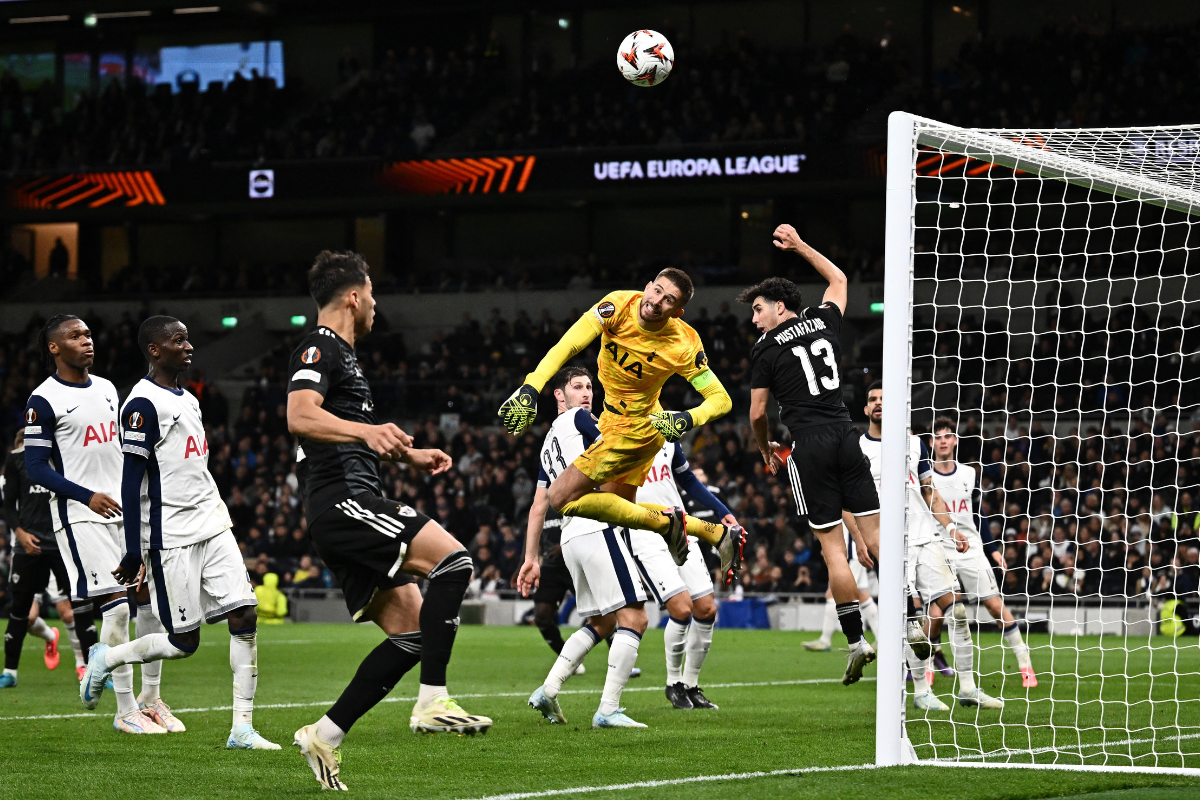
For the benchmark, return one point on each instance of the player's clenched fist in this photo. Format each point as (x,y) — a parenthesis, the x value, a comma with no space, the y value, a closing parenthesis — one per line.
(671,424)
(786,238)
(519,411)
(385,439)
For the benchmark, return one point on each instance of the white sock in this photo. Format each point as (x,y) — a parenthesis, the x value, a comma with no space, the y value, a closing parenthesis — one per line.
(917,667)
(674,640)
(74,637)
(142,650)
(144,624)
(870,615)
(115,632)
(698,641)
(12,672)
(329,733)
(40,629)
(1012,635)
(622,655)
(829,623)
(574,649)
(963,649)
(429,694)
(243,660)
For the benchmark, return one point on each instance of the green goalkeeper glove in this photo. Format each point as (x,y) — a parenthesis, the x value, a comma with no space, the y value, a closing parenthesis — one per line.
(671,424)
(519,411)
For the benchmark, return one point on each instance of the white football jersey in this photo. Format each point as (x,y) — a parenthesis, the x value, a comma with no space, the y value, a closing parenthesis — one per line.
(570,434)
(922,528)
(180,502)
(957,488)
(78,423)
(660,484)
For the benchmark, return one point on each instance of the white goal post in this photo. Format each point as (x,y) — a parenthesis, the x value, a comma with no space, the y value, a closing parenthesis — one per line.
(1014,257)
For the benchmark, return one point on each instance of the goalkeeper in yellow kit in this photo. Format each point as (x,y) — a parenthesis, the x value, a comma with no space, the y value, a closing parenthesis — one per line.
(644,343)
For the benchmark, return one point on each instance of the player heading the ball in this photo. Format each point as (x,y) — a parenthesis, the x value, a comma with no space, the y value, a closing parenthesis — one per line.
(644,342)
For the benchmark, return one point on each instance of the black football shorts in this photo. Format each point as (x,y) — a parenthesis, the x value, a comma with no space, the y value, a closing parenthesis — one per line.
(829,472)
(554,583)
(360,539)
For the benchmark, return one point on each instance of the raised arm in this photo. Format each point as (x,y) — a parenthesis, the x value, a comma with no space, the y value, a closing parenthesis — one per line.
(787,239)
(519,411)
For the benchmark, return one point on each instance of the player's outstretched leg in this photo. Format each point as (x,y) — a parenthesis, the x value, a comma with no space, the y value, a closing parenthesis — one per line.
(1012,637)
(397,612)
(449,574)
(49,635)
(729,540)
(545,698)
(114,633)
(150,702)
(844,589)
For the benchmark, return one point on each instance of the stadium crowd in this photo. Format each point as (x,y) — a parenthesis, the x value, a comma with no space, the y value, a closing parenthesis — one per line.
(1079,514)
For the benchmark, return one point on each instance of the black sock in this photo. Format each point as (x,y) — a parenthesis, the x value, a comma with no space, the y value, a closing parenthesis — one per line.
(448,583)
(553,636)
(936,641)
(85,625)
(377,675)
(14,639)
(851,620)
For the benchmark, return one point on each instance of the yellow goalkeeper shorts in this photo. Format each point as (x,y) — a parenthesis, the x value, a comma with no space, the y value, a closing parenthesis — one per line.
(624,452)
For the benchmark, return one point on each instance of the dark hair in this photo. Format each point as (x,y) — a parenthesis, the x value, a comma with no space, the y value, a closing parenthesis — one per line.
(944,423)
(875,385)
(775,290)
(49,329)
(681,280)
(566,375)
(333,272)
(153,330)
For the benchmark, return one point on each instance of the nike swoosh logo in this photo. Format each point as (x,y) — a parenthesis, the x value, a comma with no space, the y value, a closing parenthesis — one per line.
(69,410)
(175,418)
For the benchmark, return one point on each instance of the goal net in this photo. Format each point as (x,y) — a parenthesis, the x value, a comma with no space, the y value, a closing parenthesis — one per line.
(1042,292)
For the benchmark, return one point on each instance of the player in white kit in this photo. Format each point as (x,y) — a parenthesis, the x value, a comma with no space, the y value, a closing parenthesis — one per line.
(607,590)
(958,486)
(177,533)
(72,448)
(685,591)
(929,575)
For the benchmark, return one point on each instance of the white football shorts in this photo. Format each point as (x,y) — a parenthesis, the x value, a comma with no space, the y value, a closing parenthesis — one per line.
(658,570)
(603,572)
(91,551)
(974,571)
(861,574)
(929,574)
(201,581)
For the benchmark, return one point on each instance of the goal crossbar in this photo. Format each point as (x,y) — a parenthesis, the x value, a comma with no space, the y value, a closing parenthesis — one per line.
(1143,168)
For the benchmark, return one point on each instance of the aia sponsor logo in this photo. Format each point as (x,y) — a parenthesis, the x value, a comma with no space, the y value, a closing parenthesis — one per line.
(101,434)
(311,356)
(198,446)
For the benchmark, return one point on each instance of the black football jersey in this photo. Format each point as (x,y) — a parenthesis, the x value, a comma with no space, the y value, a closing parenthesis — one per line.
(798,361)
(324,362)
(25,503)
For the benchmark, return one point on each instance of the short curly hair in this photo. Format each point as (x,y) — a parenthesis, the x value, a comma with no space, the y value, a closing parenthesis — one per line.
(775,290)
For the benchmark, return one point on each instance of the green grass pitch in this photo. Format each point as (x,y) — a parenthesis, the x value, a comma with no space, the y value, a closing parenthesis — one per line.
(785,726)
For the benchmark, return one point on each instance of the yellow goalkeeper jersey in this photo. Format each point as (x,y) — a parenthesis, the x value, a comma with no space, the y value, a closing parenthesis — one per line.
(634,363)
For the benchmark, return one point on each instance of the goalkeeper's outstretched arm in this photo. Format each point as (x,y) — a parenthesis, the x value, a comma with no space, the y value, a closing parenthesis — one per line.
(518,411)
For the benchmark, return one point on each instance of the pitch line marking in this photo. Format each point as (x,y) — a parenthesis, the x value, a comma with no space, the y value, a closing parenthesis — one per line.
(730,776)
(86,715)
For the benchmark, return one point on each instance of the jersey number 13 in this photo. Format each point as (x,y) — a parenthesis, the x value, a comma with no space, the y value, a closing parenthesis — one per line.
(822,349)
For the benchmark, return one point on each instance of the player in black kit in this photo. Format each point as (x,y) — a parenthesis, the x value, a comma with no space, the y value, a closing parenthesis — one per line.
(35,558)
(372,544)
(796,359)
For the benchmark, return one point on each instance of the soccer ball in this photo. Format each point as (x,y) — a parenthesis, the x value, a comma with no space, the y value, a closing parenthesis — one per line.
(645,58)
